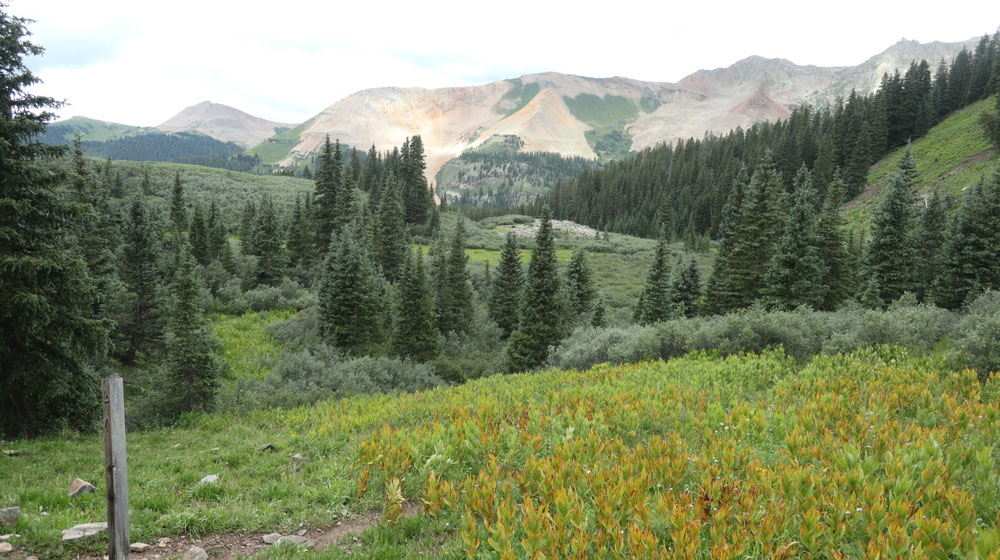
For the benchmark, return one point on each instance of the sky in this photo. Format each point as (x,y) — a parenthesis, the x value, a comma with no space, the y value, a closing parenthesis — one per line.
(140,62)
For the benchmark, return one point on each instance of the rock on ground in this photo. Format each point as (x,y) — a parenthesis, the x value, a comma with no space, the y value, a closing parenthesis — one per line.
(195,553)
(209,479)
(83,531)
(9,516)
(301,541)
(271,538)
(79,487)
(6,547)
(139,547)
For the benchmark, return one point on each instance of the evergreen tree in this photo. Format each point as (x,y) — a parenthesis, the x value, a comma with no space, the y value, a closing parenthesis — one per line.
(350,296)
(685,289)
(579,285)
(834,250)
(455,305)
(505,291)
(796,274)
(541,315)
(45,293)
(415,334)
(345,208)
(327,187)
(140,329)
(271,264)
(891,257)
(598,319)
(248,229)
(391,243)
(300,238)
(656,304)
(972,250)
(931,243)
(198,235)
(178,209)
(192,369)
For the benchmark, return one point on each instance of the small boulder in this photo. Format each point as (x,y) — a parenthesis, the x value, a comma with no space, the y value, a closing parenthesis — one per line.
(9,516)
(79,487)
(209,479)
(302,532)
(301,541)
(31,558)
(139,547)
(83,531)
(195,553)
(271,538)
(5,547)
(297,456)
(266,447)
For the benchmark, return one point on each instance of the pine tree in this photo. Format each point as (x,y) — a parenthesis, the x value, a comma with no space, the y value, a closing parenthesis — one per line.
(972,250)
(271,264)
(178,209)
(415,334)
(248,229)
(140,329)
(718,297)
(198,235)
(931,244)
(541,315)
(350,296)
(345,208)
(327,186)
(505,291)
(656,303)
(455,305)
(45,293)
(796,274)
(685,289)
(891,257)
(598,319)
(192,369)
(834,249)
(579,284)
(391,243)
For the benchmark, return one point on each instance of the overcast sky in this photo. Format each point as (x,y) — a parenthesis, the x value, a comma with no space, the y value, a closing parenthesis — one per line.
(139,62)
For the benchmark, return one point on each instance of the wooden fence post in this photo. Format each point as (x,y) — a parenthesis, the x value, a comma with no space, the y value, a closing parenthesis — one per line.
(115,471)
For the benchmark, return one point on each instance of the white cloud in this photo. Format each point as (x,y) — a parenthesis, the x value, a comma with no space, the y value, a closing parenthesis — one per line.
(139,63)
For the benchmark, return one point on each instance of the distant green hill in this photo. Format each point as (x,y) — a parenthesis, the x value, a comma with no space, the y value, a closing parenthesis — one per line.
(952,156)
(93,130)
(277,147)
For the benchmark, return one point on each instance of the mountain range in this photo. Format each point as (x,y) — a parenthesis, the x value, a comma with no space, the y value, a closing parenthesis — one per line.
(551,112)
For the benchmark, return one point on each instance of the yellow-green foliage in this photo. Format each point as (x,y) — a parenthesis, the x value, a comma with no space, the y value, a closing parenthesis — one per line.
(245,345)
(874,454)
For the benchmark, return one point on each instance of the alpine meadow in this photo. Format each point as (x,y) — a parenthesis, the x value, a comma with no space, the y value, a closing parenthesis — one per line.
(753,313)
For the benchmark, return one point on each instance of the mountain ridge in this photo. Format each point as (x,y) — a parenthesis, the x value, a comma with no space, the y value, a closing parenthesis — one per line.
(224,123)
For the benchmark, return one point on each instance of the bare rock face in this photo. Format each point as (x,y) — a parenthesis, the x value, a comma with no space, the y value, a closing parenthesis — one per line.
(83,531)
(79,487)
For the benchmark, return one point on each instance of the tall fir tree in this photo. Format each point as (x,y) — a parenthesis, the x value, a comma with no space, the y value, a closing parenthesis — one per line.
(178,207)
(506,288)
(45,295)
(248,229)
(327,181)
(350,296)
(391,242)
(972,250)
(655,304)
(140,328)
(192,369)
(198,235)
(415,334)
(796,274)
(685,289)
(541,310)
(455,305)
(834,250)
(932,233)
(579,284)
(270,245)
(890,259)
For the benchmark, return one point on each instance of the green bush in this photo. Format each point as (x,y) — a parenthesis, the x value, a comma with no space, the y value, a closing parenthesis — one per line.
(978,345)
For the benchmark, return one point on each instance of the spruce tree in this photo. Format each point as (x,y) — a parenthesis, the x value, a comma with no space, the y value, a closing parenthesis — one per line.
(327,181)
(192,368)
(270,246)
(685,289)
(415,334)
(541,311)
(140,329)
(932,233)
(345,207)
(45,294)
(579,284)
(455,305)
(598,318)
(890,259)
(391,242)
(655,304)
(248,229)
(198,235)
(834,250)
(796,274)
(719,296)
(505,291)
(178,209)
(972,250)
(350,296)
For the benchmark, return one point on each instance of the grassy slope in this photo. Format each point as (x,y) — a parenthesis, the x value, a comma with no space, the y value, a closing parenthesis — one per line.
(278,147)
(952,156)
(244,344)
(92,129)
(822,441)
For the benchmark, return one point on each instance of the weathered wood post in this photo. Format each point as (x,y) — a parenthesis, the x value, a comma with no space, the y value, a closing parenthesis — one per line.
(115,471)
